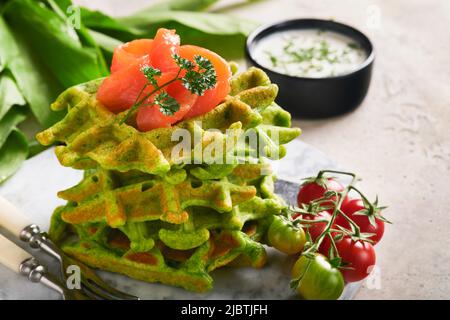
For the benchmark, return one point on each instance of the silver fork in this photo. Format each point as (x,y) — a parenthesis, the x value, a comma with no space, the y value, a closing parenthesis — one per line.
(18,260)
(91,283)
(92,286)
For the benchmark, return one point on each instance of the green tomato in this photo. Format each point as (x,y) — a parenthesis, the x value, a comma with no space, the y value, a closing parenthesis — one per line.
(284,236)
(319,280)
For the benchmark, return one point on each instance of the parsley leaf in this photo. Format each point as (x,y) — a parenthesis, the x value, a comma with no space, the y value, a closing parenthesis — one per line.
(182,62)
(150,73)
(202,78)
(168,105)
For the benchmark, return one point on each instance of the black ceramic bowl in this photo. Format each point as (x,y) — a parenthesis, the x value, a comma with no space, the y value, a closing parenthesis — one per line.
(318,97)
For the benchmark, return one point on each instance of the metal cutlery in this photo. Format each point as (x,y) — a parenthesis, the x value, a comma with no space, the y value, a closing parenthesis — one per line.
(17,259)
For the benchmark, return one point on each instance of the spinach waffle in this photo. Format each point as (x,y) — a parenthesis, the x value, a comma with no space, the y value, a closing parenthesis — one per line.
(140,212)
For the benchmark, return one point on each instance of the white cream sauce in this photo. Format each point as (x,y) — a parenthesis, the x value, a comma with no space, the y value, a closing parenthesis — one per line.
(309,53)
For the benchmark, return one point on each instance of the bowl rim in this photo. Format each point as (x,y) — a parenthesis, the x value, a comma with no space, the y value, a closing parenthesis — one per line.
(266,27)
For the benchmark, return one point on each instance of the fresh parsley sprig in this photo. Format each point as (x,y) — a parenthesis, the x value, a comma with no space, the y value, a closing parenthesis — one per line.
(150,73)
(201,79)
(199,76)
(168,105)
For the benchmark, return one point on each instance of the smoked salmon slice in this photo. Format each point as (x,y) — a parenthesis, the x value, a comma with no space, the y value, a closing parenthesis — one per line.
(150,117)
(214,96)
(127,53)
(120,90)
(165,45)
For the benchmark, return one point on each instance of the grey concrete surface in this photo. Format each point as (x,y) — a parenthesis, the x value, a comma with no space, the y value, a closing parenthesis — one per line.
(398,141)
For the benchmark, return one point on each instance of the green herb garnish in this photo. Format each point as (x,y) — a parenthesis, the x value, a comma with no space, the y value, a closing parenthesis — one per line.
(150,73)
(200,80)
(167,104)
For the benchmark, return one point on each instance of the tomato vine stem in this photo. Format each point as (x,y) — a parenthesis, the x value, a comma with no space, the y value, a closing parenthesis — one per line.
(340,196)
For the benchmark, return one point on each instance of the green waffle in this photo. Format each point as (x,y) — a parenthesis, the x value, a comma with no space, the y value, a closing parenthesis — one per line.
(139,212)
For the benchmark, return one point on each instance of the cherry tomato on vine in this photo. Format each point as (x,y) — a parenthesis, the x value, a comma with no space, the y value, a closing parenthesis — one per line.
(318,279)
(315,228)
(286,237)
(353,206)
(357,255)
(312,190)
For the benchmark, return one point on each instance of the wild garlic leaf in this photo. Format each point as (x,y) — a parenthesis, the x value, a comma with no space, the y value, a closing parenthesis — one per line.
(37,85)
(12,154)
(7,124)
(188,5)
(221,33)
(9,94)
(54,43)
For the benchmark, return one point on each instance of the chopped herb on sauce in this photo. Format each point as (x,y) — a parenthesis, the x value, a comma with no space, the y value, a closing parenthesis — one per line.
(310,53)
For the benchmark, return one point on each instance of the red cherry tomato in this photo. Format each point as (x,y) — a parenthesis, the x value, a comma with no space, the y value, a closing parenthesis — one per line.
(315,229)
(313,191)
(359,255)
(353,206)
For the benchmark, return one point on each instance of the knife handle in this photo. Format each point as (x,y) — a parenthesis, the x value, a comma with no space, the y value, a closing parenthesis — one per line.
(11,218)
(11,255)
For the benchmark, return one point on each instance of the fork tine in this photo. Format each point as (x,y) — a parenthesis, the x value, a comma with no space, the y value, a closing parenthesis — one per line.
(105,293)
(100,287)
(92,282)
(91,295)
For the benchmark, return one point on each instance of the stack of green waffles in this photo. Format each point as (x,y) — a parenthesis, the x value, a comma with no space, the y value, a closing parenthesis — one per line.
(142,212)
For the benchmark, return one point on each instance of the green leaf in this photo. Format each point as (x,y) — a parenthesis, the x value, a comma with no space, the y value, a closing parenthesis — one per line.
(71,15)
(187,5)
(54,42)
(62,4)
(9,122)
(12,154)
(37,87)
(104,41)
(103,23)
(210,23)
(221,33)
(2,66)
(9,94)
(218,32)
